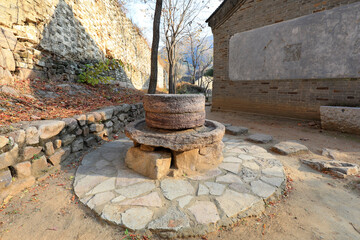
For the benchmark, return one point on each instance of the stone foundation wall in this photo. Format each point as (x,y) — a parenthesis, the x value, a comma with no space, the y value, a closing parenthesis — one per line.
(39,147)
(55,38)
(299,98)
(343,119)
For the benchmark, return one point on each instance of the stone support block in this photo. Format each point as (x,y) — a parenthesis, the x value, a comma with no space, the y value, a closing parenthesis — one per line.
(38,166)
(31,152)
(155,165)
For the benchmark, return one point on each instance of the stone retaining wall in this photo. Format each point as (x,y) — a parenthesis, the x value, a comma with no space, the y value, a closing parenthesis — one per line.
(56,38)
(343,119)
(38,147)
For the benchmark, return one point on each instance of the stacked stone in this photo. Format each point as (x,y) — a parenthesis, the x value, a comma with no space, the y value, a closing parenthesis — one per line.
(40,146)
(175,134)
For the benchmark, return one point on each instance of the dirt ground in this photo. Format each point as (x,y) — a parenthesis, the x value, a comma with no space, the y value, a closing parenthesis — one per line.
(317,206)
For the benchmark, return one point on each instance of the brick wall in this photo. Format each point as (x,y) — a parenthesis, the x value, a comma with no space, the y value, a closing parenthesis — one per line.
(293,98)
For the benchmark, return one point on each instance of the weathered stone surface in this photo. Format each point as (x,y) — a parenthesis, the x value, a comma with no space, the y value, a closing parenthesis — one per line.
(109,124)
(262,189)
(240,187)
(174,121)
(118,199)
(105,186)
(106,113)
(68,139)
(31,152)
(150,200)
(7,39)
(112,213)
(49,148)
(232,160)
(137,218)
(10,157)
(5,178)
(288,148)
(70,123)
(39,165)
(172,220)
(231,167)
(235,130)
(183,201)
(57,143)
(136,189)
(100,199)
(96,127)
(233,203)
(3,141)
(173,188)
(273,180)
(18,136)
(334,154)
(203,190)
(48,128)
(211,133)
(23,170)
(343,119)
(147,148)
(128,177)
(260,138)
(90,142)
(81,119)
(154,165)
(205,212)
(77,145)
(174,103)
(341,169)
(274,171)
(9,59)
(215,189)
(199,160)
(251,165)
(246,157)
(32,136)
(229,178)
(208,175)
(57,157)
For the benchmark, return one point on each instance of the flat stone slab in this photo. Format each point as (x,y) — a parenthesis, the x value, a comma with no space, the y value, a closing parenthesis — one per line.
(236,130)
(289,148)
(178,207)
(260,138)
(338,168)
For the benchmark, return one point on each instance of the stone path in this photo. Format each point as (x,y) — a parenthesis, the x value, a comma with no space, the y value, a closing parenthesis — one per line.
(179,207)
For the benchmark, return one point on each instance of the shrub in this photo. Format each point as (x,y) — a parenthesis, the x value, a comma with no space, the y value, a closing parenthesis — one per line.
(94,73)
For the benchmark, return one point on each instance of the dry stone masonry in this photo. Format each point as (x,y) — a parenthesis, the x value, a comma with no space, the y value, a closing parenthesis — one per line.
(39,147)
(183,206)
(56,38)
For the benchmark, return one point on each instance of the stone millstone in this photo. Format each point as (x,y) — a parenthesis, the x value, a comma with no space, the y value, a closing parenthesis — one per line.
(172,111)
(174,103)
(175,121)
(211,133)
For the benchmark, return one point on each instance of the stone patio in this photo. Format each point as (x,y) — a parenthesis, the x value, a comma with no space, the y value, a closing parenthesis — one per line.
(179,207)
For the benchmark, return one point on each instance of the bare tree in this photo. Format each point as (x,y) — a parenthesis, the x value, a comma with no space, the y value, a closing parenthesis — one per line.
(155,47)
(177,15)
(196,53)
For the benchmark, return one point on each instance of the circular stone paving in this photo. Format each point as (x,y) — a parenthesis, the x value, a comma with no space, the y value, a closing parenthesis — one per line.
(181,207)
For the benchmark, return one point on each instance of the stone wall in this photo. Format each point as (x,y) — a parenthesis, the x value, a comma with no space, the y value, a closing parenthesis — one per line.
(55,38)
(291,97)
(37,148)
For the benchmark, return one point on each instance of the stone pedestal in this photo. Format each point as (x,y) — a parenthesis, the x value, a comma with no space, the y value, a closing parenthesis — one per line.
(154,165)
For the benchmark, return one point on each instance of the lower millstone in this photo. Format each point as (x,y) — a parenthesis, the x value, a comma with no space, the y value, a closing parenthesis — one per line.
(156,164)
(174,121)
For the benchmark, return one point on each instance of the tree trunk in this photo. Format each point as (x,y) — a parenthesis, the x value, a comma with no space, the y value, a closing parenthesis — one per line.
(172,87)
(155,48)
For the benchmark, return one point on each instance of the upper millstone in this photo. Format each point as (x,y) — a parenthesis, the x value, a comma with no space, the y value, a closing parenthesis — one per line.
(173,111)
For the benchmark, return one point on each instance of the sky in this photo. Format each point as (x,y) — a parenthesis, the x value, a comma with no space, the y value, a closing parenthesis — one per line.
(136,11)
